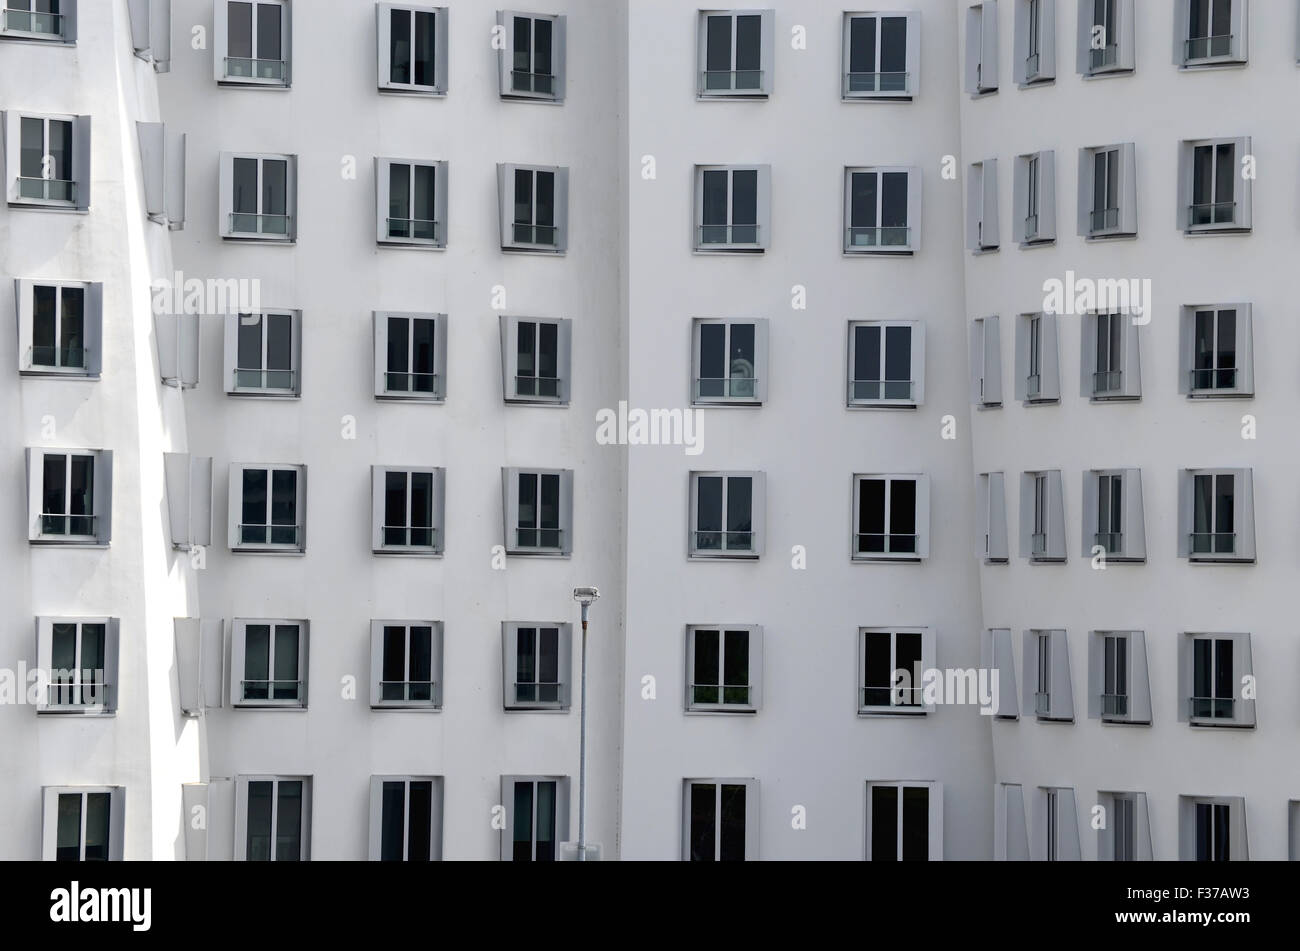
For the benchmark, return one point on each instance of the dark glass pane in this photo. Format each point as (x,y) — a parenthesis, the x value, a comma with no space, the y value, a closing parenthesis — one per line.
(44,319)
(275,188)
(398,353)
(284,506)
(548,659)
(735,673)
(526,663)
(731,846)
(548,350)
(707,667)
(1223,683)
(239,30)
(744,197)
(394,663)
(884,823)
(523,196)
(254,506)
(549,516)
(527,505)
(81,494)
(866,360)
(395,521)
(871,515)
(740,508)
(288,822)
(893,200)
(1204,840)
(63,662)
(545,206)
(1227,339)
(1223,505)
(421,663)
(862,45)
(703,819)
(54,475)
(399,199)
(749,51)
(257,662)
(286,663)
(60,149)
(708,512)
(1224,181)
(1222,18)
(523,822)
(878,672)
(717,45)
(268,31)
(419,839)
(523,47)
(742,358)
(32,148)
(399,46)
(97,816)
(1202,174)
(245,186)
(862,200)
(713,359)
(392,820)
(68,834)
(422,354)
(279,349)
(72,341)
(258,846)
(902,512)
(1222,838)
(1202,669)
(916,824)
(907,656)
(421,505)
(542,43)
(714,209)
(423,208)
(546,822)
(424,49)
(893,50)
(1199,18)
(526,349)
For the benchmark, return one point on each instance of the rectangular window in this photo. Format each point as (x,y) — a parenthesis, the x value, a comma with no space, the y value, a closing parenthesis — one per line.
(1108,191)
(59,328)
(269,663)
(536,360)
(1038,378)
(534,202)
(1119,690)
(406,664)
(1213,690)
(1112,368)
(410,356)
(1035,37)
(892,667)
(264,354)
(1123,829)
(882,210)
(725,515)
(1051,813)
(1113,516)
(982,48)
(1109,375)
(412,48)
(273,819)
(898,822)
(532,61)
(1209,33)
(1033,195)
(881,55)
(717,820)
(1216,515)
(534,804)
(537,666)
(1114,688)
(732,207)
(1105,38)
(982,206)
(45,20)
(407,510)
(729,357)
(259,197)
(735,54)
(538,511)
(47,160)
(79,656)
(1217,352)
(986,362)
(1043,694)
(82,823)
(991,510)
(1214,191)
(252,42)
(412,203)
(724,667)
(1048,691)
(70,492)
(891,517)
(1212,513)
(405,818)
(886,363)
(1213,832)
(268,506)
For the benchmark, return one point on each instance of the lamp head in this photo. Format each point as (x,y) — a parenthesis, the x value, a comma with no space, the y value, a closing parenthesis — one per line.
(585,596)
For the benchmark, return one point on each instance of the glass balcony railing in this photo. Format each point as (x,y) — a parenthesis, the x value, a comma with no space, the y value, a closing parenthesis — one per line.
(538,387)
(247,67)
(410,536)
(878,543)
(724,541)
(714,81)
(731,235)
(414,229)
(890,236)
(861,84)
(271,225)
(47,189)
(726,388)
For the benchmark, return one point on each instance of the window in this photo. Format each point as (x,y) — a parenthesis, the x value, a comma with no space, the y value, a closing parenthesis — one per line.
(1038,372)
(986,363)
(982,206)
(259,197)
(732,207)
(189,499)
(892,664)
(79,657)
(716,824)
(724,667)
(412,48)
(268,663)
(1216,515)
(882,55)
(991,510)
(410,356)
(252,42)
(82,823)
(273,819)
(263,354)
(537,665)
(177,337)
(1108,191)
(1214,192)
(904,822)
(406,664)
(728,362)
(1112,369)
(891,517)
(1214,672)
(69,496)
(726,515)
(1056,829)
(982,48)
(1035,60)
(45,20)
(1125,835)
(407,510)
(536,360)
(997,657)
(1118,688)
(882,210)
(47,160)
(411,204)
(1042,517)
(405,818)
(1033,222)
(1112,515)
(1011,831)
(534,203)
(1217,352)
(59,328)
(1047,675)
(1209,33)
(1212,829)
(886,363)
(532,56)
(1105,38)
(268,508)
(537,817)
(538,511)
(736,54)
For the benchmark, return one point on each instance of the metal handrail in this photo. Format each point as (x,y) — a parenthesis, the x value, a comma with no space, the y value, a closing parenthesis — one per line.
(1211,213)
(1213,378)
(1210,47)
(538,537)
(269,68)
(263,376)
(883,390)
(412,226)
(858,83)
(237,218)
(720,540)
(889,236)
(271,687)
(63,523)
(542,387)
(408,532)
(43,193)
(1212,543)
(734,234)
(268,531)
(729,387)
(733,77)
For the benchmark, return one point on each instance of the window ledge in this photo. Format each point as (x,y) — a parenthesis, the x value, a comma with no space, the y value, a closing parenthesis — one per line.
(1123,721)
(1220,725)
(733,97)
(403,398)
(76,712)
(1219,395)
(254,550)
(879,97)
(1108,73)
(980,252)
(887,559)
(530,553)
(733,556)
(710,712)
(1045,719)
(238,82)
(536,709)
(407,707)
(263,395)
(55,543)
(879,253)
(726,404)
(549,252)
(1044,560)
(264,705)
(403,553)
(727,251)
(889,713)
(1037,243)
(399,245)
(1221,62)
(528,401)
(413,93)
(896,405)
(1114,398)
(1213,230)
(1112,236)
(45,374)
(1219,560)
(1037,82)
(47,206)
(259,239)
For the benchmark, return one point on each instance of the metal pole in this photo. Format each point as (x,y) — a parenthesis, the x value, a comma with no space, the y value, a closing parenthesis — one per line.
(582,750)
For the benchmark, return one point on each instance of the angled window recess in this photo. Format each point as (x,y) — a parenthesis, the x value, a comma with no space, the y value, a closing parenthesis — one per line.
(1216,515)
(406,665)
(263,354)
(1112,515)
(536,363)
(1105,38)
(1042,517)
(991,510)
(534,205)
(531,57)
(996,655)
(882,56)
(1033,219)
(82,823)
(258,197)
(1214,191)
(986,362)
(252,42)
(60,328)
(1038,372)
(79,656)
(538,509)
(1054,835)
(1111,365)
(1046,665)
(410,356)
(43,21)
(904,821)
(47,160)
(151,31)
(1108,191)
(405,818)
(537,817)
(1210,33)
(189,499)
(1212,829)
(199,663)
(412,52)
(1216,354)
(536,665)
(411,203)
(882,210)
(1119,690)
(728,362)
(69,497)
(1035,59)
(724,668)
(1213,671)
(407,510)
(1126,835)
(733,208)
(719,820)
(982,206)
(735,54)
(981,75)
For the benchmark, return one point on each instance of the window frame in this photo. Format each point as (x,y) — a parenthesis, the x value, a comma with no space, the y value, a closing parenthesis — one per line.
(383,199)
(1056,832)
(911,57)
(1242,191)
(751,844)
(231,368)
(916,347)
(1243,353)
(756,517)
(1233,55)
(510,506)
(766,53)
(50,819)
(383,33)
(921,518)
(92,317)
(436,800)
(510,377)
(1034,193)
(1130,546)
(238,660)
(101,498)
(762,211)
(226,193)
(1123,61)
(753,663)
(998,655)
(986,362)
(379,505)
(242,782)
(1135,708)
(913,243)
(236,500)
(1057,705)
(1035,43)
(991,518)
(1139,827)
(1125,212)
(65,36)
(510,667)
(107,706)
(80,147)
(560,829)
(929,639)
(438,392)
(505,59)
(1243,516)
(1042,512)
(1241,709)
(1111,384)
(757,382)
(436,647)
(221,46)
(981,49)
(1038,348)
(982,226)
(934,817)
(506,174)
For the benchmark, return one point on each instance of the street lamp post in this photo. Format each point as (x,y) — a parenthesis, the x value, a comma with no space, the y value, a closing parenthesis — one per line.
(586,597)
